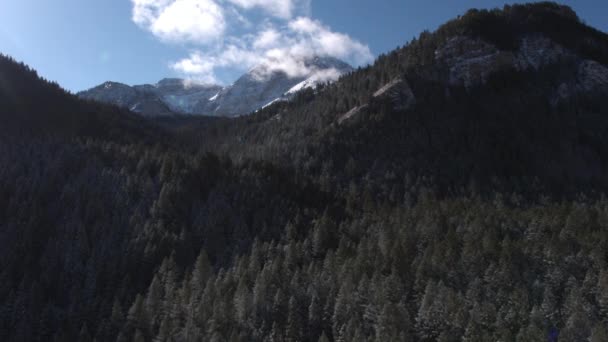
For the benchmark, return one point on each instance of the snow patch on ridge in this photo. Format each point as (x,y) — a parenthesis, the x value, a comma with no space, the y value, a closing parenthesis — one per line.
(320,76)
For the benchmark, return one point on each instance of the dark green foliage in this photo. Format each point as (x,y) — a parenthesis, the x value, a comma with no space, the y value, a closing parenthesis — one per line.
(478,214)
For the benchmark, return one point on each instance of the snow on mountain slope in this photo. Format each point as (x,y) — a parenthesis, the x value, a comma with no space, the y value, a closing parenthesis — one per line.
(261,86)
(322,76)
(167,97)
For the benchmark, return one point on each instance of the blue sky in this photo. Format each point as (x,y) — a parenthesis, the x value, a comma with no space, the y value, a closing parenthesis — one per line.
(82,43)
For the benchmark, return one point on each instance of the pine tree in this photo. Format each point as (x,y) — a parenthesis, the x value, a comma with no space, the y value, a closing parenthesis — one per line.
(201,272)
(535,330)
(392,322)
(164,331)
(549,304)
(295,322)
(261,304)
(137,317)
(473,332)
(577,327)
(279,308)
(342,308)
(117,318)
(154,301)
(323,338)
(84,335)
(242,303)
(323,232)
(428,320)
(276,333)
(600,333)
(602,294)
(139,336)
(315,315)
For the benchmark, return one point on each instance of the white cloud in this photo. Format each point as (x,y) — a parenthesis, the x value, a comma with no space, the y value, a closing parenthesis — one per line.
(203,67)
(279,8)
(280,42)
(195,64)
(326,75)
(198,21)
(267,39)
(323,41)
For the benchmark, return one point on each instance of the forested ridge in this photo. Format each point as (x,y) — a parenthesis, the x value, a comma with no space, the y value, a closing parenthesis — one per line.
(440,212)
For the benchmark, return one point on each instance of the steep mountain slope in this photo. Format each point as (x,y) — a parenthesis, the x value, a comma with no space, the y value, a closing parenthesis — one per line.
(259,87)
(494,96)
(455,190)
(34,107)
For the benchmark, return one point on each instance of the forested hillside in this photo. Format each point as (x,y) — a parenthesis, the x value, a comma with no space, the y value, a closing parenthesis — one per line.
(452,191)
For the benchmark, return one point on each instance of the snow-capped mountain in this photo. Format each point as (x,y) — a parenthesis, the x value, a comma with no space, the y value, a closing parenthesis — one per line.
(259,87)
(262,86)
(181,96)
(167,97)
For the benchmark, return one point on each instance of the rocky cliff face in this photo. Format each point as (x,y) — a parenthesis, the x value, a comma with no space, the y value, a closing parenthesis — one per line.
(254,90)
(399,93)
(470,61)
(592,76)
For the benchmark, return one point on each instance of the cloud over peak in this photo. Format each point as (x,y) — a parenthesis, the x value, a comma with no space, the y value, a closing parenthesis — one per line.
(197,21)
(223,36)
(279,8)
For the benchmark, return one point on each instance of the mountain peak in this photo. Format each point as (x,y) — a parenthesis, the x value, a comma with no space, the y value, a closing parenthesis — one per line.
(111,84)
(263,84)
(180,83)
(326,62)
(300,68)
(268,83)
(170,82)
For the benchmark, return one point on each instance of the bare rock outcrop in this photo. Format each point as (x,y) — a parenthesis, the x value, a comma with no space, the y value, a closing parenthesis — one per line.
(537,50)
(351,113)
(398,92)
(471,61)
(592,76)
